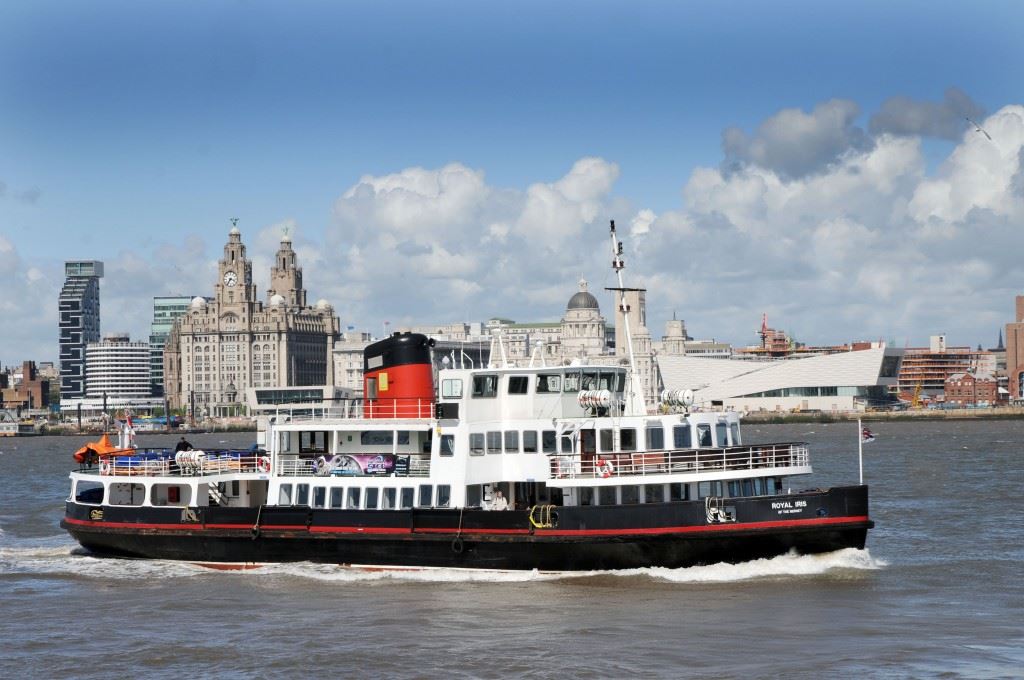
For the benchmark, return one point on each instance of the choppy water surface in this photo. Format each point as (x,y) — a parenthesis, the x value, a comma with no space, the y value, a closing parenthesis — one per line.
(940,590)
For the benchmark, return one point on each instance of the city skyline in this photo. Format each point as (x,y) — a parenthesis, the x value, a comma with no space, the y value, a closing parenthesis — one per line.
(457,162)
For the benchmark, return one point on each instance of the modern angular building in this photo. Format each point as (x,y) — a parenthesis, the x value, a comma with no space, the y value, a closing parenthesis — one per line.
(220,349)
(79,322)
(846,381)
(165,310)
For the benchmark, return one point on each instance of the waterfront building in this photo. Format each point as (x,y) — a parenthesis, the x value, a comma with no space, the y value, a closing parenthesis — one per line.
(79,322)
(846,381)
(968,389)
(165,310)
(118,368)
(223,346)
(1015,352)
(27,390)
(924,370)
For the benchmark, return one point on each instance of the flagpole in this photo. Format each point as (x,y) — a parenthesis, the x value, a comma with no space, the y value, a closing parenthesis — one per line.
(860,450)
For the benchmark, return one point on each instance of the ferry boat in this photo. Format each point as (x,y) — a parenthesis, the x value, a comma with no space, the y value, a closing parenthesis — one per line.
(553,468)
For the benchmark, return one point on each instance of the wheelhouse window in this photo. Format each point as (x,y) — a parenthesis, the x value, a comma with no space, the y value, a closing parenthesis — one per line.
(606,381)
(451,388)
(476,443)
(589,380)
(655,437)
(734,431)
(518,384)
(605,440)
(511,442)
(627,439)
(549,383)
(682,437)
(485,385)
(530,441)
(703,435)
(722,434)
(447,445)
(571,383)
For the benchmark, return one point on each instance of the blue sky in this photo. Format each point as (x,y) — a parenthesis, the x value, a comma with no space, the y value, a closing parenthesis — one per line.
(131,132)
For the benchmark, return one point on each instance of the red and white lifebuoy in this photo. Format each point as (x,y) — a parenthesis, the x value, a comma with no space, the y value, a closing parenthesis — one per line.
(605,468)
(263,464)
(104,466)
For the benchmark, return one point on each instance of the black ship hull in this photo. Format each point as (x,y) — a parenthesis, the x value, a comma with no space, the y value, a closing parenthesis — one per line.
(680,534)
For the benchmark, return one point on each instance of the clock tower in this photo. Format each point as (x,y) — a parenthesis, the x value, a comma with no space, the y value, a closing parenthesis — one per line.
(234,285)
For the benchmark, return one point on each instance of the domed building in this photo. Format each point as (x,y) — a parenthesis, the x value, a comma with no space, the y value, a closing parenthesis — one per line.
(220,348)
(583,327)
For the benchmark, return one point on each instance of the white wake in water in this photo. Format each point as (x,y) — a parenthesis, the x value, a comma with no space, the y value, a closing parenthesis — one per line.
(56,557)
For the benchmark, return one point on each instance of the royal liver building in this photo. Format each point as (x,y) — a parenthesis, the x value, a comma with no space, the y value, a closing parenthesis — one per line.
(219,349)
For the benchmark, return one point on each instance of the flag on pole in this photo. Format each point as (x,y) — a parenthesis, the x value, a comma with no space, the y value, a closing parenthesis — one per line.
(866,436)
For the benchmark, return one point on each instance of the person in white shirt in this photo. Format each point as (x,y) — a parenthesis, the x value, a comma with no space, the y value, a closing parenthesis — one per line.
(499,502)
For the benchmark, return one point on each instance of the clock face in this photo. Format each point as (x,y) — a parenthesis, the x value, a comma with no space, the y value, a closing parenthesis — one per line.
(230,278)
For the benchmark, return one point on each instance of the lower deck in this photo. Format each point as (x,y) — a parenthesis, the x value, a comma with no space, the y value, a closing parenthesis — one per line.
(670,534)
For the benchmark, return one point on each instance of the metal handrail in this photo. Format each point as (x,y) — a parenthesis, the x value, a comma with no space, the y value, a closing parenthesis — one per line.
(644,463)
(348,409)
(193,464)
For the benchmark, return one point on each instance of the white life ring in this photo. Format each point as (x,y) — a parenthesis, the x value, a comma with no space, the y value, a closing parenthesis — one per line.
(104,466)
(263,464)
(605,468)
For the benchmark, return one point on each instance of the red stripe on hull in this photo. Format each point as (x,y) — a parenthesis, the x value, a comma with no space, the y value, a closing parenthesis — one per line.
(565,533)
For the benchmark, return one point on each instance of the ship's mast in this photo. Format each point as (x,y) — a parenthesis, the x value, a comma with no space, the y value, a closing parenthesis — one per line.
(635,403)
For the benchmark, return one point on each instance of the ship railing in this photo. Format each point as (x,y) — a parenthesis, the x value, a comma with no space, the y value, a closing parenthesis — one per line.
(196,463)
(348,409)
(389,466)
(644,463)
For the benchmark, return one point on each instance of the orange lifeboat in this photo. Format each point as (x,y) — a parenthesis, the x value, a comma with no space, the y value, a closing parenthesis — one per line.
(98,449)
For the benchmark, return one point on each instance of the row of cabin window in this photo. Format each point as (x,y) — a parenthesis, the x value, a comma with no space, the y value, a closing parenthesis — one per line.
(632,494)
(682,438)
(485,386)
(508,441)
(373,499)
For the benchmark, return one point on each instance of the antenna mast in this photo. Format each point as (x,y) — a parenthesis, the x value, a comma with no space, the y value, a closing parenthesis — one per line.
(635,402)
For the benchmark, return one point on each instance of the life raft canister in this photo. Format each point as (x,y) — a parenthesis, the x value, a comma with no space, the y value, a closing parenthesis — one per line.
(605,468)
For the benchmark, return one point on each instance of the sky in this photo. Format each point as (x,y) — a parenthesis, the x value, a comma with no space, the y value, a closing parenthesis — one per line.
(456,161)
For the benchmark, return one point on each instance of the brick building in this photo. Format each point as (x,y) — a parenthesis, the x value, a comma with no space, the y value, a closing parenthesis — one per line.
(968,389)
(32,392)
(1015,352)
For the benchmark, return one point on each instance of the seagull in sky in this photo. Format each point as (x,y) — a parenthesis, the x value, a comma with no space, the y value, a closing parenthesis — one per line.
(978,128)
